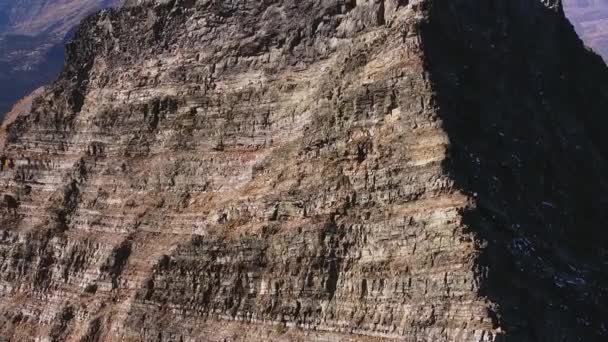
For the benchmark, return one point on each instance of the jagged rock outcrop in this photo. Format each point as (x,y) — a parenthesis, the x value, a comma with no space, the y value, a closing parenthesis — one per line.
(311,170)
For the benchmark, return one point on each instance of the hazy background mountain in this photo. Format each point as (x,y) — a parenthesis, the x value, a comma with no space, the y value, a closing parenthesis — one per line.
(590,19)
(32,34)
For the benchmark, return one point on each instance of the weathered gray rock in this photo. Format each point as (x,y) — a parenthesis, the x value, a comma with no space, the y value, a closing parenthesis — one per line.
(311,170)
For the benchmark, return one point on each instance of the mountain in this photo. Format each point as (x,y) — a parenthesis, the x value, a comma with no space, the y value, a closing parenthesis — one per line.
(304,170)
(590,18)
(32,35)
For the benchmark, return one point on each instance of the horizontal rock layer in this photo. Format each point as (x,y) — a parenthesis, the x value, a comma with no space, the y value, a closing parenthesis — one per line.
(311,170)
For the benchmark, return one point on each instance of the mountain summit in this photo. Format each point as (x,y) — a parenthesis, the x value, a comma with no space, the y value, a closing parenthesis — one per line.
(299,170)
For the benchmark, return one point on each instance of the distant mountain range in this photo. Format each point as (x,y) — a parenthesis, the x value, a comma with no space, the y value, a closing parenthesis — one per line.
(32,34)
(590,19)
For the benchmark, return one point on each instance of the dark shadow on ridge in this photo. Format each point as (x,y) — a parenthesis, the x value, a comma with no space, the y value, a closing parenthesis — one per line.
(524,105)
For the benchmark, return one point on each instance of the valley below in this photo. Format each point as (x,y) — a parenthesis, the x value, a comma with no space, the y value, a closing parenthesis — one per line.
(32,38)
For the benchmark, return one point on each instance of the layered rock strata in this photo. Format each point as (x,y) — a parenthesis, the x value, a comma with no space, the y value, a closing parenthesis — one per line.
(311,170)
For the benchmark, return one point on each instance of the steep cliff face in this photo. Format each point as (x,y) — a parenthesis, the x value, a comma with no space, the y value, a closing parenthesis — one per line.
(311,170)
(32,35)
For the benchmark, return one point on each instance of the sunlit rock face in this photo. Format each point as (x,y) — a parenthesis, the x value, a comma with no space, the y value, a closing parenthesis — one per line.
(590,19)
(311,170)
(32,34)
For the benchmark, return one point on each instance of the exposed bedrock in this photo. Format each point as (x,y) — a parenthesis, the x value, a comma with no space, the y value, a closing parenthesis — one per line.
(311,170)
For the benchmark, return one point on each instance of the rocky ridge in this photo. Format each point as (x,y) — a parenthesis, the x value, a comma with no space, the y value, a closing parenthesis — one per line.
(311,170)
